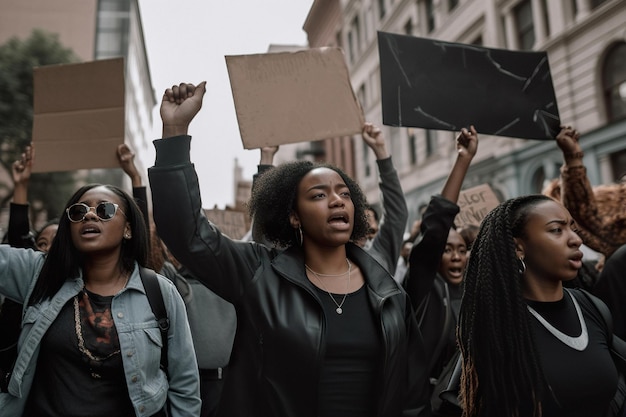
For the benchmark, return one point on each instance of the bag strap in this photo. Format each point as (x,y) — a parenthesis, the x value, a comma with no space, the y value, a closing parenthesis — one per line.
(601,308)
(155,299)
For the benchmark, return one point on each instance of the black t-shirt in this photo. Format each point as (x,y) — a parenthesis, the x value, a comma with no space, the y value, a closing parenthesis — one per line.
(69,383)
(582,382)
(347,385)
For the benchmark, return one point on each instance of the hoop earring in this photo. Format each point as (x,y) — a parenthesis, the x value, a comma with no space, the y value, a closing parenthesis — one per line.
(521,266)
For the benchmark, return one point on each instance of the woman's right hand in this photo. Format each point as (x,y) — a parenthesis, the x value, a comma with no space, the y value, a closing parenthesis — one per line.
(567,140)
(179,106)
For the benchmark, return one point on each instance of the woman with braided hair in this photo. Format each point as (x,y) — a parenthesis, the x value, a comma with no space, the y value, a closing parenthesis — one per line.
(531,348)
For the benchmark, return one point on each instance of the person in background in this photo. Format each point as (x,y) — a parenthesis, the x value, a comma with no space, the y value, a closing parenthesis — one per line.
(598,211)
(437,262)
(90,344)
(529,346)
(19,235)
(317,318)
(611,288)
(403,261)
(212,320)
(384,238)
(469,233)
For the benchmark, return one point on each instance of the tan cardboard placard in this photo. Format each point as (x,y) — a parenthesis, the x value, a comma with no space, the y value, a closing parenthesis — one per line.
(78,115)
(293,97)
(232,223)
(475,203)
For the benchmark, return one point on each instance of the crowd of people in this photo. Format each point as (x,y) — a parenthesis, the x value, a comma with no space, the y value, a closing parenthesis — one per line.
(326,308)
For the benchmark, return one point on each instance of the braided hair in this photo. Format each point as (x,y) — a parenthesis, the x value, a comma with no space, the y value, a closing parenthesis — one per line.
(502,374)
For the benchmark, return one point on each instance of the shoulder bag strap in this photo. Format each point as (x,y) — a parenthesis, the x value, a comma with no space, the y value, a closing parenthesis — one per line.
(155,298)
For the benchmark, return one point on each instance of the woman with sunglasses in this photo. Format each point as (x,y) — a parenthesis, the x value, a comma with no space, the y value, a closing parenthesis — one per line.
(90,344)
(322,328)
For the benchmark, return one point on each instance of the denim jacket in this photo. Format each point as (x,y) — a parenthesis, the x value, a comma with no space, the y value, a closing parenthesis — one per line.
(140,339)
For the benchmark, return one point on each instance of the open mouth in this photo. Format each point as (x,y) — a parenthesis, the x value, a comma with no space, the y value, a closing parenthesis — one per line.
(89,230)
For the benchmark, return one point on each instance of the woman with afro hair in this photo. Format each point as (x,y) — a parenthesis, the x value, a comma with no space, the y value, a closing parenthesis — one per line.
(322,328)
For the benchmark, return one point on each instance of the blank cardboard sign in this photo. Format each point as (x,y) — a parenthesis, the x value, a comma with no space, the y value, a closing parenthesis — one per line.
(293,97)
(440,85)
(78,115)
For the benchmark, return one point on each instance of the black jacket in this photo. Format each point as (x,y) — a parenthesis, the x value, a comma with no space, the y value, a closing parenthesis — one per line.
(428,291)
(279,345)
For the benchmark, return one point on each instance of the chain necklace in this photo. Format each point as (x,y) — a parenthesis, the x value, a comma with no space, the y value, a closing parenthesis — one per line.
(579,343)
(339,310)
(81,340)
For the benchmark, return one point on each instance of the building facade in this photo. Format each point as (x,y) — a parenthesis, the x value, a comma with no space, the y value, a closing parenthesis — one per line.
(95,29)
(586,45)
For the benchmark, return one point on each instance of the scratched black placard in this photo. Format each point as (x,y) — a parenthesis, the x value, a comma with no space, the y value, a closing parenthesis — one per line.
(440,85)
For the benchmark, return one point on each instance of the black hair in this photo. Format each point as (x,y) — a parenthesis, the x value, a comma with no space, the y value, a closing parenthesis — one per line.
(373,210)
(502,374)
(51,222)
(64,261)
(274,199)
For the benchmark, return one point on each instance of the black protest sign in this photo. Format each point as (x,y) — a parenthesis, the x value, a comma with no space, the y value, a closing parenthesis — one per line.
(440,85)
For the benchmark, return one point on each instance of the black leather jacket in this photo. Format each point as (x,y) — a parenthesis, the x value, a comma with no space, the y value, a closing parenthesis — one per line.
(280,342)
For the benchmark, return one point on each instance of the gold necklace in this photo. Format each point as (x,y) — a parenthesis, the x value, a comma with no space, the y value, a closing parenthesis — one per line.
(339,310)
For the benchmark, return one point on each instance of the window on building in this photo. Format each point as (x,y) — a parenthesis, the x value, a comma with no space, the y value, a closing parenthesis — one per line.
(538,181)
(525,26)
(338,40)
(408,27)
(112,28)
(452,4)
(412,146)
(618,166)
(354,38)
(546,17)
(430,15)
(431,142)
(614,82)
(362,96)
(382,9)
(367,168)
(596,3)
(478,41)
(395,142)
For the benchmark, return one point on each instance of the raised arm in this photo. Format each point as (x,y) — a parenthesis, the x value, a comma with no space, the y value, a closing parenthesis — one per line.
(437,220)
(126,159)
(387,243)
(19,234)
(597,229)
(219,262)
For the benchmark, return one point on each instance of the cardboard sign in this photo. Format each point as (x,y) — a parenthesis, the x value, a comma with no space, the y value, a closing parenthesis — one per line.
(293,97)
(475,203)
(78,115)
(230,222)
(440,85)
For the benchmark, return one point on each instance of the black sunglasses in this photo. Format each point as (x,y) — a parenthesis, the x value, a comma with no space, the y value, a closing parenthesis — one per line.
(105,211)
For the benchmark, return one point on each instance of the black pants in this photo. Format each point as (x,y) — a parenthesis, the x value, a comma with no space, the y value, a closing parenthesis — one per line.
(211,385)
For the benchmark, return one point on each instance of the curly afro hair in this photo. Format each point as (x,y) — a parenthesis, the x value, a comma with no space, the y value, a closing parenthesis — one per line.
(274,198)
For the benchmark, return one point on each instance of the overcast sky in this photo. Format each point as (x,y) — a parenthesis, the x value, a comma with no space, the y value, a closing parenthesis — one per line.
(186,41)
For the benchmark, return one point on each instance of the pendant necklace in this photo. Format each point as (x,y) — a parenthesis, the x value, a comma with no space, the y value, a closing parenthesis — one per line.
(339,310)
(579,343)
